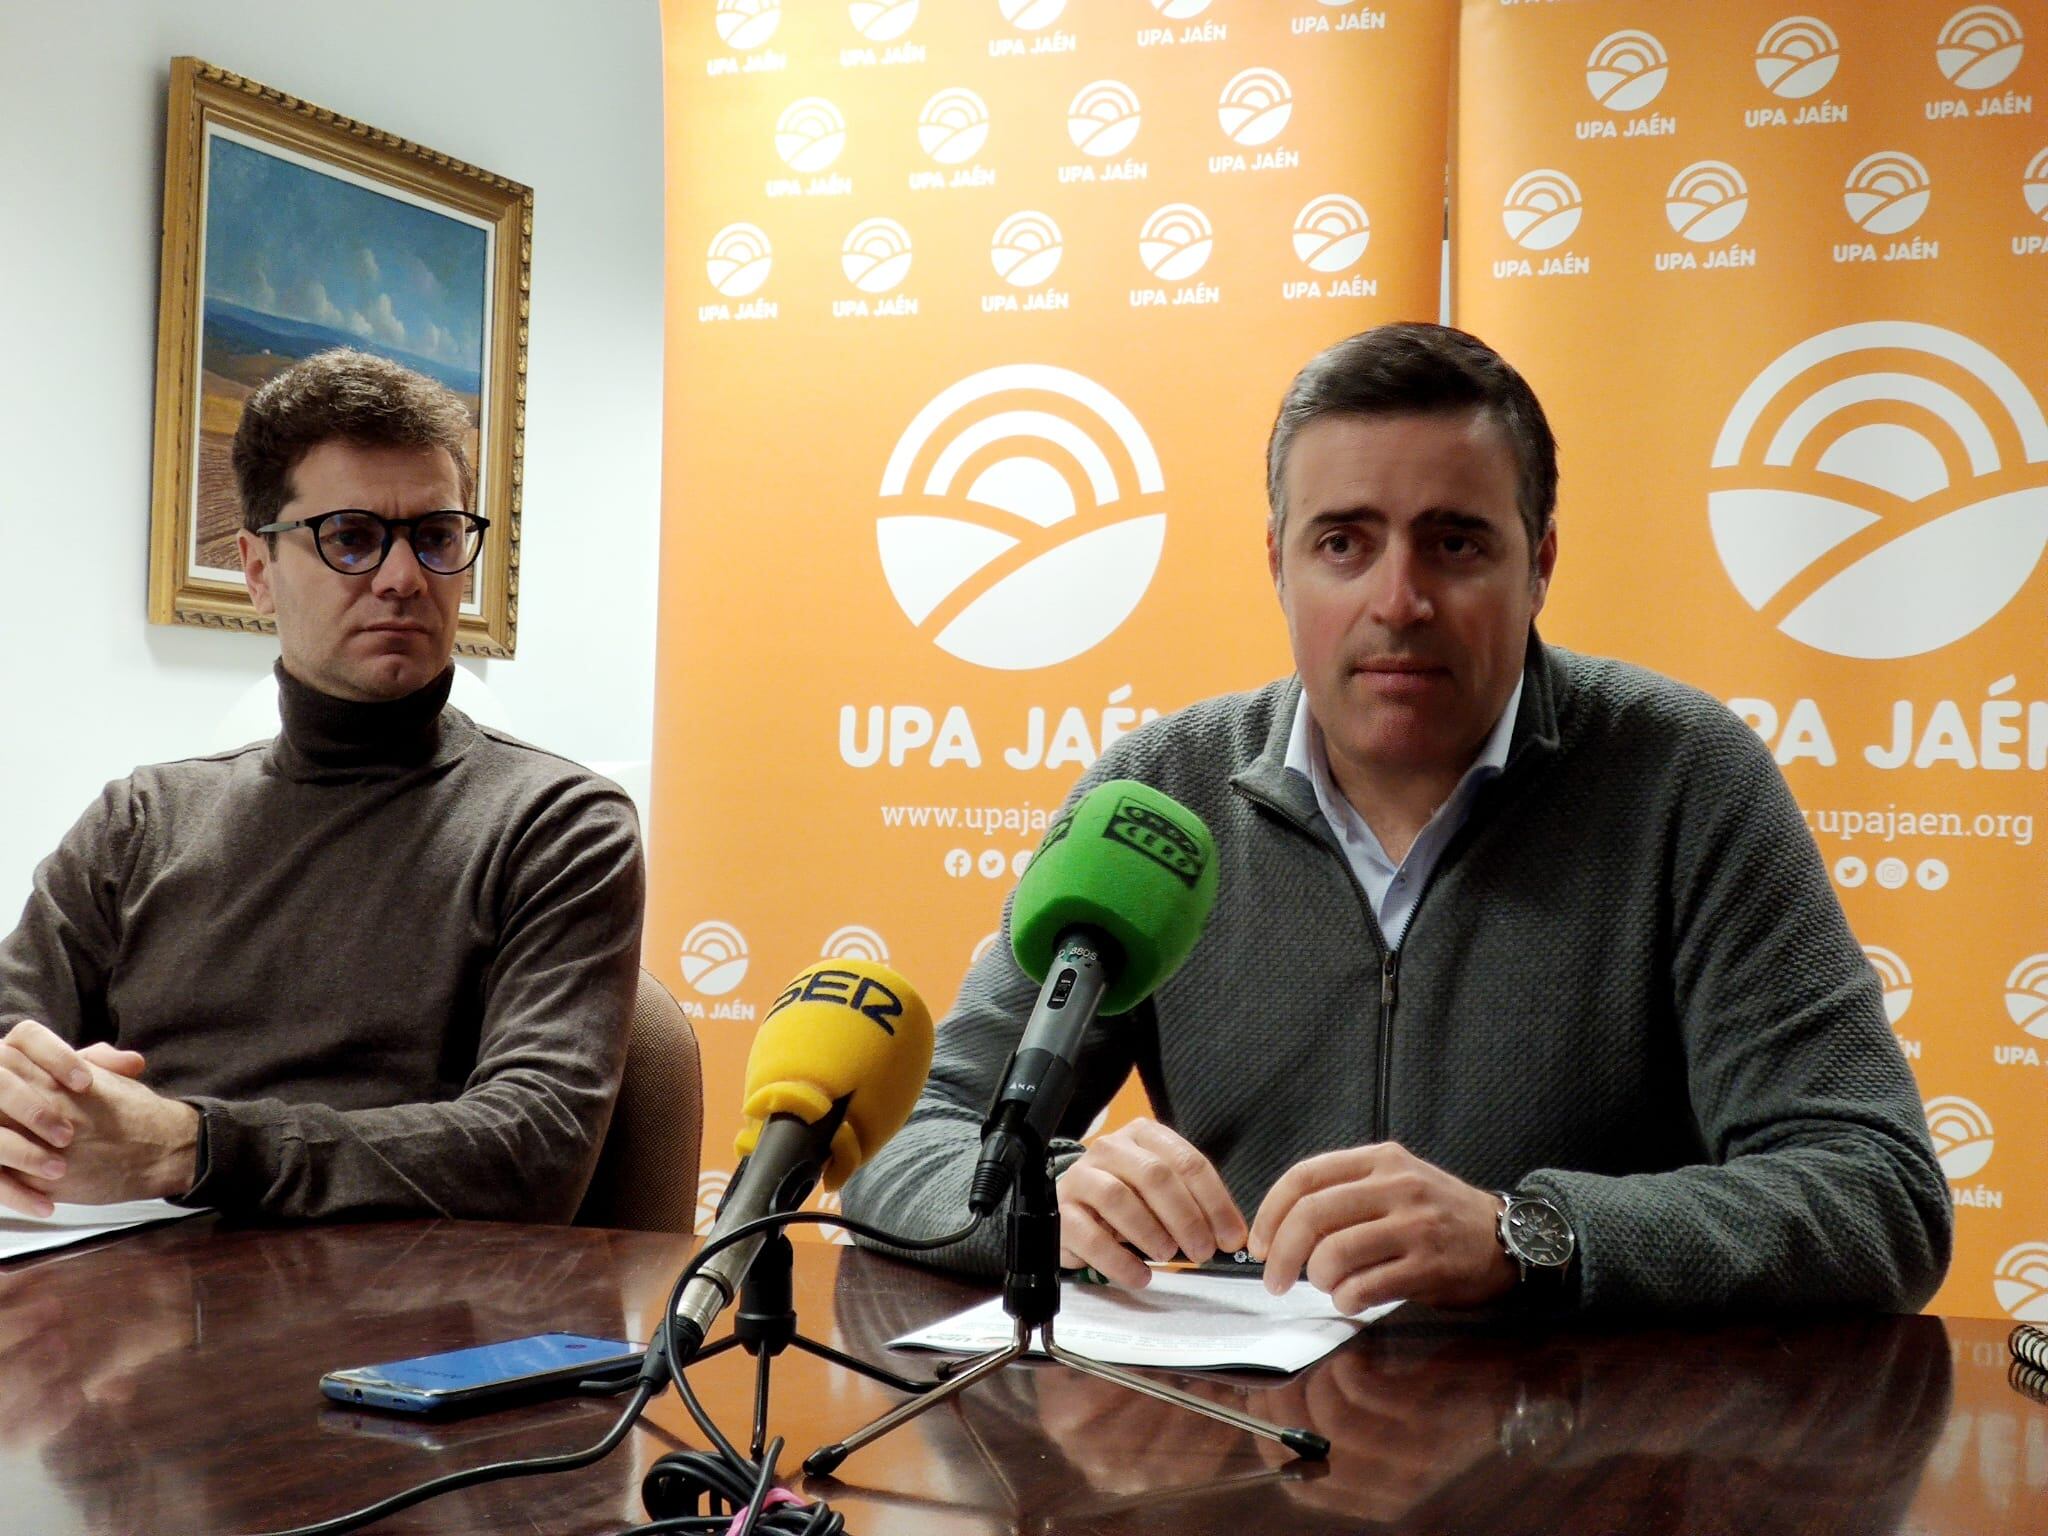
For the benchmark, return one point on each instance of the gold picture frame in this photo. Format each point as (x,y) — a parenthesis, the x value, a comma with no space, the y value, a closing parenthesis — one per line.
(289,228)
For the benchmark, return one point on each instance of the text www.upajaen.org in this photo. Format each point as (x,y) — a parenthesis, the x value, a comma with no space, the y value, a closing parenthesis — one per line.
(1026,818)
(1891,824)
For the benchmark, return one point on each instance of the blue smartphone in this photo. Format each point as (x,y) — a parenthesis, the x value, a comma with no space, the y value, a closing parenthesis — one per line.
(471,1378)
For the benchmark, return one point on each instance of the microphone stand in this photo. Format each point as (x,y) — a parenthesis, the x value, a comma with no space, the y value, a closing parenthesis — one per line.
(1031,1296)
(764,1324)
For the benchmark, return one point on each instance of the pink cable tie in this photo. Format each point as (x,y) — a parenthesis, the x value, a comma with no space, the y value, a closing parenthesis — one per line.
(775,1496)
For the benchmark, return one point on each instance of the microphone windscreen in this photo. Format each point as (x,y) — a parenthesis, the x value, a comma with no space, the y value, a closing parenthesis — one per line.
(1130,862)
(843,1029)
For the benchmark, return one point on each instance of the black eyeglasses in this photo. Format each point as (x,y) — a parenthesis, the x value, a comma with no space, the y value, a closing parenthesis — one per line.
(355,543)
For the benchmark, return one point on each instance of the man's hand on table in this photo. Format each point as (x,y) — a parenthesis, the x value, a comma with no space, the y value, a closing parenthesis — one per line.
(1143,1187)
(1375,1224)
(78,1125)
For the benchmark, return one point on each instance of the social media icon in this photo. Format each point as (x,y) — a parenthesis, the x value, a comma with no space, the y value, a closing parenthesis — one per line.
(959,862)
(1932,874)
(993,863)
(1851,871)
(1891,873)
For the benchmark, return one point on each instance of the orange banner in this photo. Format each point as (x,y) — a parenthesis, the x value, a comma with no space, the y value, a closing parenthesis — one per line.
(1778,278)
(978,316)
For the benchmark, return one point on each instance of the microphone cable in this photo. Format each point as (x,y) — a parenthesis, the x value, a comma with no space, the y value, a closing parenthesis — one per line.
(661,1351)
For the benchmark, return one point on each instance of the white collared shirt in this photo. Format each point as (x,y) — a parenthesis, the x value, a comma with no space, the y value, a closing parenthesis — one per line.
(1394,888)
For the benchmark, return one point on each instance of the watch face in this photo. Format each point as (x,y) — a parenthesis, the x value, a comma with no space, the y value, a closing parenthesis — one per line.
(1537,1233)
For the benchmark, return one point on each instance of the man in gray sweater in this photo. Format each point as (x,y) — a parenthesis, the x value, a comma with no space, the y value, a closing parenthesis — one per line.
(1525,980)
(381,965)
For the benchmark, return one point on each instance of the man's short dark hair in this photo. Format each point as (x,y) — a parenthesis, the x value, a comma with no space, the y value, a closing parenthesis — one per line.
(347,396)
(1411,369)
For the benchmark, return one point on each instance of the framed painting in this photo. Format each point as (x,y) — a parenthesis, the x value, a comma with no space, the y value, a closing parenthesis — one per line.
(289,229)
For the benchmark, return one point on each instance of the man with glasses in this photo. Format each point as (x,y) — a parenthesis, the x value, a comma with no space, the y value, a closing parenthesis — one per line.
(379,965)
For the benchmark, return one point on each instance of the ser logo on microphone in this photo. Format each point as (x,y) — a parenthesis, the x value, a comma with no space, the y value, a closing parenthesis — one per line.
(869,998)
(1142,828)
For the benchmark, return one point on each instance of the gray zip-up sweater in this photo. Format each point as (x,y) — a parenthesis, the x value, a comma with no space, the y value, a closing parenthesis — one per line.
(1628,986)
(388,956)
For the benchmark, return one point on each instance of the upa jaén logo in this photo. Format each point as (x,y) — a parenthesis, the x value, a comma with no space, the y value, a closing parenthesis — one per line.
(1798,57)
(2021,1282)
(2026,995)
(1026,249)
(1627,71)
(746,24)
(2035,187)
(1542,210)
(1707,201)
(1103,118)
(1331,232)
(1962,1136)
(853,942)
(1031,15)
(1887,192)
(953,125)
(882,21)
(810,134)
(1980,46)
(876,255)
(1255,106)
(714,958)
(739,260)
(1023,552)
(1175,242)
(1866,457)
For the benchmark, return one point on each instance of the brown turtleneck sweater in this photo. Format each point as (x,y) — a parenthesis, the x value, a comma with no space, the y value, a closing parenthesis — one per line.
(389,957)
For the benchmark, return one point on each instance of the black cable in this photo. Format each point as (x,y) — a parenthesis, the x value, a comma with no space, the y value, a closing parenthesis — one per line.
(659,1353)
(497,1471)
(692,1474)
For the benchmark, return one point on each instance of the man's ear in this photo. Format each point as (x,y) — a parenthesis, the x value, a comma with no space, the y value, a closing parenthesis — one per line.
(256,562)
(1541,567)
(1273,553)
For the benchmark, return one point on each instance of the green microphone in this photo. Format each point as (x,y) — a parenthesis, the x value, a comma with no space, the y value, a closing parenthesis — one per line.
(1107,910)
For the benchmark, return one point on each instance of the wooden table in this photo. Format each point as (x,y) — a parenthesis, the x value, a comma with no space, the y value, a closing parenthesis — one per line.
(167,1383)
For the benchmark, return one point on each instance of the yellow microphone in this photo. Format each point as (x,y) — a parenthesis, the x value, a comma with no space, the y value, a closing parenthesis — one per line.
(835,1068)
(843,1029)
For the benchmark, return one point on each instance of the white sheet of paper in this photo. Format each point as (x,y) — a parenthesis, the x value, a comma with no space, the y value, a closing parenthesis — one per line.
(23,1235)
(1180,1321)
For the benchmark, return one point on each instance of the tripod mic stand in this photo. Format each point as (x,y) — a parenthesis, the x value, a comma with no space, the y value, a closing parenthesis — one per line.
(1031,1296)
(764,1324)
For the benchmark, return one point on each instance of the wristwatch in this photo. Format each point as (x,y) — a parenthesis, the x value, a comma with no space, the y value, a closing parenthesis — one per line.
(1535,1234)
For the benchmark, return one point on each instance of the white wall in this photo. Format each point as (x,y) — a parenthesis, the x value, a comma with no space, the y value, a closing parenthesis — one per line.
(564,97)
